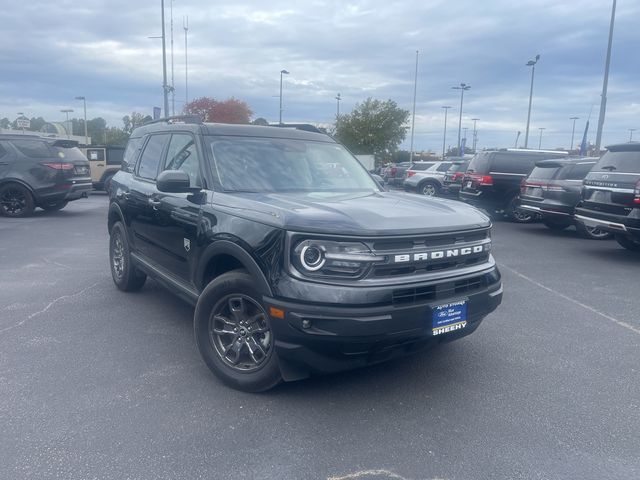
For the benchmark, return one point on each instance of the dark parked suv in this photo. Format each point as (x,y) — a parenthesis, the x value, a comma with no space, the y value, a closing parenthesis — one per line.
(40,172)
(297,273)
(611,195)
(492,180)
(452,182)
(553,189)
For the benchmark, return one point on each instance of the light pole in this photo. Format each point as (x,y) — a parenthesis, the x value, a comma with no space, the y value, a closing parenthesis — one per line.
(573,131)
(165,87)
(444,136)
(631,130)
(67,111)
(517,138)
(413,117)
(462,88)
(185,26)
(475,133)
(532,64)
(86,131)
(605,82)
(282,72)
(542,129)
(338,98)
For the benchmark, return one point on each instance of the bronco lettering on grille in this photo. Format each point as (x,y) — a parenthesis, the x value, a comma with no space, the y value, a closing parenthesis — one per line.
(440,254)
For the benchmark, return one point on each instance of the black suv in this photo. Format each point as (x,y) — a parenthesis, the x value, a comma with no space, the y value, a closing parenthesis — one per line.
(553,189)
(493,177)
(611,195)
(40,172)
(296,260)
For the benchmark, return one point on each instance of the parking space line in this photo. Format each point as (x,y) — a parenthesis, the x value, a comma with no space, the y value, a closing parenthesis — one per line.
(573,300)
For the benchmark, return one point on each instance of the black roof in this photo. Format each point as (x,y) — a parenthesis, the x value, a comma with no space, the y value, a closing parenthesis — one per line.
(563,162)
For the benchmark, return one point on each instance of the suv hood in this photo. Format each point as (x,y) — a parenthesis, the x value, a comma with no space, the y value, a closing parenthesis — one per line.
(362,214)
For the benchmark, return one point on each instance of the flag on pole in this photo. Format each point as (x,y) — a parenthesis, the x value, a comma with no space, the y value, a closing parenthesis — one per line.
(583,145)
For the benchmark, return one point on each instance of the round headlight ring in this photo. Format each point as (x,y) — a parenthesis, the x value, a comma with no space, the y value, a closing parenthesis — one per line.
(312,258)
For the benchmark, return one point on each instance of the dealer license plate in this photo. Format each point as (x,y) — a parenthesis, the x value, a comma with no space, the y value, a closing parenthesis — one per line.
(449,317)
(469,184)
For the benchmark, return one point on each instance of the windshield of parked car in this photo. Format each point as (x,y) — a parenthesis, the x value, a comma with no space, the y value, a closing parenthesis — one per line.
(621,162)
(287,165)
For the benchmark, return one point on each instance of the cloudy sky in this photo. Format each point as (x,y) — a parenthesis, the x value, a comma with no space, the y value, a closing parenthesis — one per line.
(53,51)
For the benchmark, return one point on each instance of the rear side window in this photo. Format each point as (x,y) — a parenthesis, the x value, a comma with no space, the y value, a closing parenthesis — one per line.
(480,163)
(130,154)
(151,156)
(543,173)
(114,156)
(458,167)
(621,162)
(421,166)
(69,154)
(577,172)
(95,154)
(33,148)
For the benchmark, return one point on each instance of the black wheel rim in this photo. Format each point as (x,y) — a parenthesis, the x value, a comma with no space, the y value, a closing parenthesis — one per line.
(240,334)
(13,201)
(117,256)
(429,190)
(595,232)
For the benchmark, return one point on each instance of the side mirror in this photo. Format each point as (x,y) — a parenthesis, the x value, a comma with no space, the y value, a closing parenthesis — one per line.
(175,181)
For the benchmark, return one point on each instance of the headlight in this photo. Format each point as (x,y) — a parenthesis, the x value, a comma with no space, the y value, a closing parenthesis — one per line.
(332,259)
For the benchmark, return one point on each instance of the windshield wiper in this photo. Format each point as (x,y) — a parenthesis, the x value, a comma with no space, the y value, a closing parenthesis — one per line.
(609,167)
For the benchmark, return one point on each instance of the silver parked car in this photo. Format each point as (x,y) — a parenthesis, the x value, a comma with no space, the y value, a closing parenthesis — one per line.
(426,177)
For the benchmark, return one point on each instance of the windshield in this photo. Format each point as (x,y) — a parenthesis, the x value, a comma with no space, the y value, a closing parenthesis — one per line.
(285,165)
(621,162)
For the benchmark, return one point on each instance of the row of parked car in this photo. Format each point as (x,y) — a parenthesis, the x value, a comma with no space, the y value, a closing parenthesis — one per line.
(601,197)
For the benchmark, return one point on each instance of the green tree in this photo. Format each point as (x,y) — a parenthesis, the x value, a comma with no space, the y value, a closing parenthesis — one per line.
(37,124)
(115,136)
(373,127)
(5,123)
(135,120)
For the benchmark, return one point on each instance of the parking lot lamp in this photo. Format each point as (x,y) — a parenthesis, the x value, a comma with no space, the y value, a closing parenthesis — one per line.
(444,136)
(282,72)
(532,64)
(338,98)
(542,129)
(573,131)
(86,131)
(463,87)
(475,133)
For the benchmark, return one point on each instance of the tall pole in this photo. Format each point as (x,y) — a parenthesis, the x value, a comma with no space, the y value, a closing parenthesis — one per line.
(517,138)
(413,117)
(475,133)
(542,129)
(338,98)
(282,72)
(185,26)
(573,130)
(165,87)
(444,136)
(66,111)
(532,64)
(462,88)
(86,132)
(631,130)
(173,84)
(605,83)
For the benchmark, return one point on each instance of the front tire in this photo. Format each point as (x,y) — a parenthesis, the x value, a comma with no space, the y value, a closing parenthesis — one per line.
(518,216)
(233,333)
(16,201)
(628,242)
(125,275)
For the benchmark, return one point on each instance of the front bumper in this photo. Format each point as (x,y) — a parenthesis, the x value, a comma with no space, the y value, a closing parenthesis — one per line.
(315,338)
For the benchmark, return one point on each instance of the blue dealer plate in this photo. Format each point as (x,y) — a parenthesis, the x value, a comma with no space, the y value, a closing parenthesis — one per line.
(449,317)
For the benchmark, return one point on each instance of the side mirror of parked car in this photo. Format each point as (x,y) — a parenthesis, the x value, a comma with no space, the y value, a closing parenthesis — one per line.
(175,181)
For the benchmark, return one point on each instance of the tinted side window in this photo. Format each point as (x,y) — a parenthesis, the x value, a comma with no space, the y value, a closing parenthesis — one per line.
(182,154)
(95,154)
(623,162)
(114,156)
(443,167)
(151,156)
(131,154)
(33,148)
(421,166)
(516,164)
(577,171)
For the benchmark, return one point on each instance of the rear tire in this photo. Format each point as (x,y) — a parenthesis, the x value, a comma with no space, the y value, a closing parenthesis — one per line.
(233,333)
(555,224)
(125,275)
(428,189)
(628,243)
(518,216)
(16,201)
(592,233)
(53,207)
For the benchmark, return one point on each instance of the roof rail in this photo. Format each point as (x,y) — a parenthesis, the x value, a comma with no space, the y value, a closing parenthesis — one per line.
(307,127)
(197,119)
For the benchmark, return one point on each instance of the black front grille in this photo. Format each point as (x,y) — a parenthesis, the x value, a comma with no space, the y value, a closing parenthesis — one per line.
(440,291)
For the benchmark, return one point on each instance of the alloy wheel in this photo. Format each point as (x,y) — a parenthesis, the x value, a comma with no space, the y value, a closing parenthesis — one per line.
(13,201)
(117,256)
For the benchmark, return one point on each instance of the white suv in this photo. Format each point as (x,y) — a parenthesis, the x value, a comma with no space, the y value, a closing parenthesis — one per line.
(426,177)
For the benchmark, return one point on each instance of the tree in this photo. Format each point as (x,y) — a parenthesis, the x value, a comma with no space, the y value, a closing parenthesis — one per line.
(260,121)
(373,127)
(5,123)
(135,120)
(37,124)
(211,110)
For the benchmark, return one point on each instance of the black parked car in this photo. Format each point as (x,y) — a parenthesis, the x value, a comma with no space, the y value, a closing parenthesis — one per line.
(553,189)
(297,273)
(611,195)
(40,172)
(452,182)
(492,180)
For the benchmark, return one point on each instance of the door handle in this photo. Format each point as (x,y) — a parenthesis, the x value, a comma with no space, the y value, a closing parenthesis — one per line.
(154,203)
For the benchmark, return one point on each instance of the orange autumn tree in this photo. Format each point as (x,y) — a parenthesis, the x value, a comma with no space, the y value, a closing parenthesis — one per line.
(209,109)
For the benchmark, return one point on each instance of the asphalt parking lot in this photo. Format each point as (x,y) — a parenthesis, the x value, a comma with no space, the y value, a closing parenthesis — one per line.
(96,383)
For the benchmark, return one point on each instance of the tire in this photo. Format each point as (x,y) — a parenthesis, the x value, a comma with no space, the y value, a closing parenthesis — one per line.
(16,201)
(518,216)
(428,189)
(555,224)
(125,275)
(54,207)
(228,311)
(628,242)
(592,233)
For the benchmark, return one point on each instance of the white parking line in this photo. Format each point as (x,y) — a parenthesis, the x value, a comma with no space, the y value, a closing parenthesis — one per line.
(573,300)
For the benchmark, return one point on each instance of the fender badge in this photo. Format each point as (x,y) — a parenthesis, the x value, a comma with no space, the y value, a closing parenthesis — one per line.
(187,244)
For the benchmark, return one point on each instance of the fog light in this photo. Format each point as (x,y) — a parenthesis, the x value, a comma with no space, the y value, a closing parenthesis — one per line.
(306,323)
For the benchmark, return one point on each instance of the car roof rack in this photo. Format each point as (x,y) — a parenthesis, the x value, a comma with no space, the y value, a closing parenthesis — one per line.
(307,127)
(194,119)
